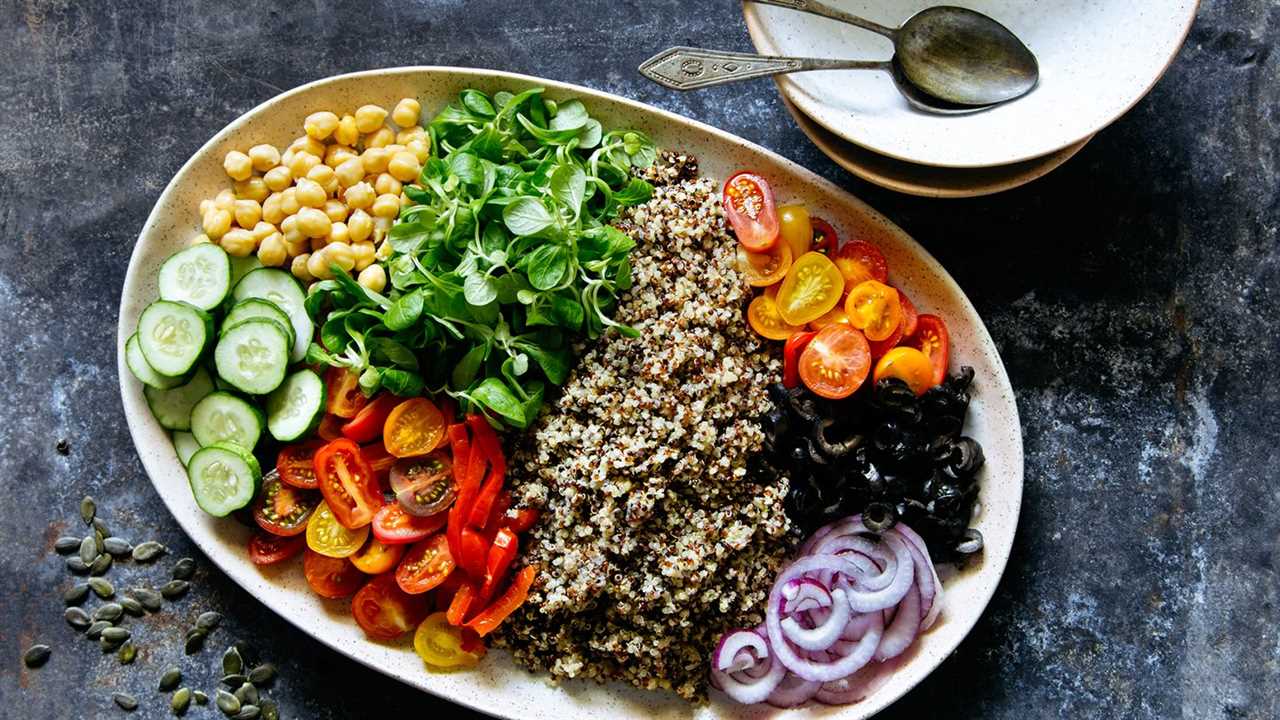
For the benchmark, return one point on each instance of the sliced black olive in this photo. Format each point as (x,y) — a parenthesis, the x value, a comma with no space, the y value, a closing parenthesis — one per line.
(966,458)
(971,543)
(803,407)
(834,450)
(879,517)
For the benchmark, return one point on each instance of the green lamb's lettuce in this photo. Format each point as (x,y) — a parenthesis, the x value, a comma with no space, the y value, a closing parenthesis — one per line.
(504,257)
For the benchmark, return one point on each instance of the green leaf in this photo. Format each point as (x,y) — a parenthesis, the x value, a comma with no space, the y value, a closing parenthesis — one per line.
(636,192)
(333,333)
(493,394)
(569,186)
(402,382)
(317,355)
(548,266)
(480,289)
(567,312)
(467,167)
(393,352)
(406,238)
(589,135)
(570,115)
(464,373)
(404,311)
(554,363)
(533,404)
(477,102)
(526,216)
(370,381)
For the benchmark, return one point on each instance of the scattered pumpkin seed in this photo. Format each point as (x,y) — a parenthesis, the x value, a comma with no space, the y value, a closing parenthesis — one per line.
(147,551)
(209,621)
(99,542)
(117,546)
(110,611)
(184,569)
(247,694)
(88,509)
(95,630)
(262,674)
(234,680)
(127,653)
(77,618)
(36,656)
(194,641)
(76,594)
(131,606)
(227,703)
(101,565)
(174,589)
(101,527)
(150,599)
(180,701)
(127,702)
(170,679)
(200,697)
(248,712)
(232,662)
(101,587)
(66,545)
(269,710)
(116,634)
(88,550)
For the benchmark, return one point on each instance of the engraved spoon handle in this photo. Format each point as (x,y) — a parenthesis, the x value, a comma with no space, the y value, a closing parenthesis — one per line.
(816,8)
(688,68)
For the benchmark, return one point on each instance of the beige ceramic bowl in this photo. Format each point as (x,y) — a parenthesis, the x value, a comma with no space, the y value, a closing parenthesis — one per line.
(498,687)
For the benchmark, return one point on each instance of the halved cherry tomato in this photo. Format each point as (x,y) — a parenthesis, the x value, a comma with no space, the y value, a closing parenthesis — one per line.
(795,229)
(329,577)
(268,549)
(831,317)
(424,485)
(377,557)
(344,397)
(860,261)
(910,316)
(748,203)
(394,526)
(825,239)
(812,287)
(909,365)
(836,362)
(874,308)
(905,328)
(380,461)
(367,424)
(296,464)
(347,483)
(426,565)
(440,644)
(281,509)
(766,268)
(492,616)
(330,428)
(932,339)
(764,318)
(327,536)
(384,611)
(414,427)
(791,357)
(523,519)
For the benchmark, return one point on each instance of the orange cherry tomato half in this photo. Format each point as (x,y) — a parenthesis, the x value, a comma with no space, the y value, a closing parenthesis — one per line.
(831,317)
(932,339)
(812,286)
(763,316)
(748,203)
(426,565)
(825,239)
(905,328)
(795,229)
(268,549)
(344,397)
(414,427)
(328,577)
(296,464)
(347,483)
(835,362)
(909,365)
(377,557)
(860,261)
(873,308)
(385,612)
(766,268)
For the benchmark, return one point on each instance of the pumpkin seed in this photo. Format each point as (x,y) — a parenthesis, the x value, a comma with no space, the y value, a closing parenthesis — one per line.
(227,703)
(116,634)
(101,527)
(232,663)
(200,697)
(170,679)
(184,569)
(36,656)
(131,606)
(88,509)
(147,551)
(209,621)
(180,701)
(117,546)
(95,630)
(108,646)
(194,641)
(248,712)
(66,545)
(269,710)
(262,674)
(150,599)
(127,653)
(99,542)
(77,618)
(101,587)
(247,694)
(101,565)
(110,611)
(234,680)
(127,702)
(88,550)
(76,565)
(76,594)
(174,589)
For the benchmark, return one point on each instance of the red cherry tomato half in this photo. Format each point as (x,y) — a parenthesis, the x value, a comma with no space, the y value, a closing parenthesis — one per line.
(748,203)
(282,509)
(347,483)
(791,357)
(931,338)
(328,577)
(367,424)
(426,565)
(296,464)
(825,239)
(393,526)
(836,362)
(384,611)
(268,549)
(860,261)
(344,397)
(424,485)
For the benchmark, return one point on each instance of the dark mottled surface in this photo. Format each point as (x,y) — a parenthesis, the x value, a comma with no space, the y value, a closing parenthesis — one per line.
(1133,294)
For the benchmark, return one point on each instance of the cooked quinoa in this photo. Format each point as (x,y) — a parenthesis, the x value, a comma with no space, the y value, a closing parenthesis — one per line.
(654,538)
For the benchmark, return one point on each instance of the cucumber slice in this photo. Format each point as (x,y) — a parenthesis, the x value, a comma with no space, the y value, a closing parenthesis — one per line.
(258,308)
(199,275)
(172,407)
(224,478)
(253,356)
(279,287)
(184,443)
(143,371)
(296,407)
(223,417)
(241,266)
(173,335)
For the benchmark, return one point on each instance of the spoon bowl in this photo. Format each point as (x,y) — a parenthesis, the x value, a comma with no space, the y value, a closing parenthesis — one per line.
(963,57)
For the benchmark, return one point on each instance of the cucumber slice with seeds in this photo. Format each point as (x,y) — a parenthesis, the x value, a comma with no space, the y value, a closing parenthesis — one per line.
(223,417)
(281,289)
(142,370)
(258,308)
(173,336)
(199,276)
(224,478)
(172,407)
(184,443)
(253,356)
(296,407)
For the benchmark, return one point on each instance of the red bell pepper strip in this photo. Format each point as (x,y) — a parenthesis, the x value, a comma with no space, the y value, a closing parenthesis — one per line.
(491,617)
(500,507)
(457,612)
(474,549)
(461,446)
(523,519)
(367,424)
(486,443)
(501,554)
(791,357)
(471,642)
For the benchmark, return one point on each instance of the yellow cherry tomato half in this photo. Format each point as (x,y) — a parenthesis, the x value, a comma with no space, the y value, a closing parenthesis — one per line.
(762,315)
(834,316)
(328,537)
(414,427)
(812,287)
(439,644)
(376,557)
(909,365)
(765,268)
(874,308)
(796,230)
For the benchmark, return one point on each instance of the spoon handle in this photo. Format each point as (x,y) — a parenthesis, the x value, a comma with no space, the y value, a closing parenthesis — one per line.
(816,8)
(688,68)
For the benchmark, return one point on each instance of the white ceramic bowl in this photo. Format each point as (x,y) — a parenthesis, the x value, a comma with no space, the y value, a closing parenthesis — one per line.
(1097,58)
(498,687)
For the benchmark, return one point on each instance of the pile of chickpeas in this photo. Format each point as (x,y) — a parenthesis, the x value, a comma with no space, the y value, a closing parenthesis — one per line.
(329,198)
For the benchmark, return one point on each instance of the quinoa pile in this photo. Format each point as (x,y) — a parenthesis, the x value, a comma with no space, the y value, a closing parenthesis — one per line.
(654,538)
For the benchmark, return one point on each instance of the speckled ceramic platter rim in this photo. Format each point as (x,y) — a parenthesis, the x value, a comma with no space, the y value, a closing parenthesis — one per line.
(498,687)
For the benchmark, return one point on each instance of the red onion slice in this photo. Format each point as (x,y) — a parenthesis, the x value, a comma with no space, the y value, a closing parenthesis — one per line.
(861,600)
(823,635)
(733,652)
(850,656)
(858,686)
(935,605)
(902,632)
(792,691)
(804,594)
(754,684)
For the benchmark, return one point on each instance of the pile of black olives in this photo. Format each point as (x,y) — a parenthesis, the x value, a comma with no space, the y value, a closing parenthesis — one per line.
(883,452)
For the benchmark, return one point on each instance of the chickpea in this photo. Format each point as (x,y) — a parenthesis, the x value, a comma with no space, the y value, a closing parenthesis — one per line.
(248,213)
(335,155)
(365,255)
(271,252)
(298,246)
(386,206)
(206,206)
(313,223)
(278,178)
(370,118)
(405,201)
(404,167)
(216,223)
(373,278)
(339,232)
(393,148)
(264,157)
(302,164)
(255,189)
(359,196)
(325,177)
(299,267)
(375,160)
(386,184)
(360,226)
(238,242)
(408,135)
(317,244)
(405,113)
(340,254)
(289,204)
(385,250)
(320,125)
(350,172)
(380,139)
(271,211)
(336,211)
(318,266)
(200,239)
(309,193)
(309,145)
(238,165)
(381,226)
(225,200)
(421,149)
(263,229)
(347,132)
